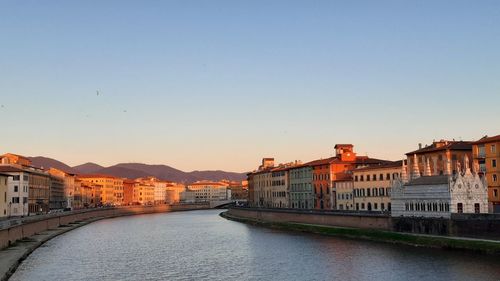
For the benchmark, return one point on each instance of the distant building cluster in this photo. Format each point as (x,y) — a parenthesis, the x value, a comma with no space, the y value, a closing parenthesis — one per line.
(433,181)
(26,190)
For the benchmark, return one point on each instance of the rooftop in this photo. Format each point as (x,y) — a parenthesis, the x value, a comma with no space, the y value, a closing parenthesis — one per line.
(429,180)
(487,139)
(443,145)
(387,165)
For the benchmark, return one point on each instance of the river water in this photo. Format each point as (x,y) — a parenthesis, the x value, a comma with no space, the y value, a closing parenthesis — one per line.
(200,245)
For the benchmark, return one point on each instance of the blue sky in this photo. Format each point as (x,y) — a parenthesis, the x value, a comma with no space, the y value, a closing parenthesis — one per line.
(221,84)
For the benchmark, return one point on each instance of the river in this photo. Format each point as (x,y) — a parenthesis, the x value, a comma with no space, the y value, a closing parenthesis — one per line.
(200,245)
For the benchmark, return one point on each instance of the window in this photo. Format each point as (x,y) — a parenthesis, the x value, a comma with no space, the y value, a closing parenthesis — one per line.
(493,148)
(460,208)
(368,192)
(493,163)
(367,177)
(15,199)
(16,188)
(382,206)
(355,178)
(388,176)
(477,209)
(361,178)
(375,206)
(381,177)
(495,177)
(362,205)
(374,177)
(16,178)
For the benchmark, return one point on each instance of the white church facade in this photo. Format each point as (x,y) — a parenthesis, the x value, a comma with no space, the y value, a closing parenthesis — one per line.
(438,196)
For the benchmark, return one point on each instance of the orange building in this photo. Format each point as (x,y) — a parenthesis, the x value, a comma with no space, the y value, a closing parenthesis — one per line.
(486,153)
(128,191)
(327,171)
(441,157)
(10,158)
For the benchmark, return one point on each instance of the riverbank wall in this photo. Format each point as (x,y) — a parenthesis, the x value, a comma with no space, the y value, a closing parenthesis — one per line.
(30,226)
(478,226)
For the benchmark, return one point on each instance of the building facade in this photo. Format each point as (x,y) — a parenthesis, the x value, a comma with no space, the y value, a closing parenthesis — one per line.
(327,171)
(173,192)
(301,189)
(17,191)
(486,153)
(57,199)
(69,185)
(206,191)
(110,188)
(4,204)
(442,157)
(344,191)
(372,186)
(438,196)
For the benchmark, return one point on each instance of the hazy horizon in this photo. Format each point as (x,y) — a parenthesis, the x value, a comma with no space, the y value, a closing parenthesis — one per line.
(218,86)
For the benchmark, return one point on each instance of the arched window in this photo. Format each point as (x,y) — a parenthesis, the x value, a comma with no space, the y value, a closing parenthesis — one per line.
(375,192)
(367,192)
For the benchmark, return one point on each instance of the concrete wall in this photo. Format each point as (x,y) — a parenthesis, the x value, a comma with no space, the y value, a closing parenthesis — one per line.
(33,225)
(482,226)
(356,220)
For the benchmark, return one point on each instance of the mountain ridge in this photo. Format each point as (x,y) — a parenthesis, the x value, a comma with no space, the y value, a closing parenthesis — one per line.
(137,170)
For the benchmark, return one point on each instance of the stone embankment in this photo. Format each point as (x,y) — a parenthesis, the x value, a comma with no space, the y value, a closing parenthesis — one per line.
(19,238)
(375,227)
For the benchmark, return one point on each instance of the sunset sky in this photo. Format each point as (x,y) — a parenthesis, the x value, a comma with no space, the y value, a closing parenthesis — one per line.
(203,85)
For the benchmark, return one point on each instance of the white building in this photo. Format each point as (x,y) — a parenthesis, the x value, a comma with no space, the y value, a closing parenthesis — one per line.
(206,191)
(17,191)
(439,195)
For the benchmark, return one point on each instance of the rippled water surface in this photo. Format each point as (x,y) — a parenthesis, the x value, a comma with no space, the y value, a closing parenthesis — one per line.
(200,245)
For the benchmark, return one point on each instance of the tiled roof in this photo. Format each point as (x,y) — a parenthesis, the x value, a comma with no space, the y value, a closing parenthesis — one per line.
(96,176)
(487,139)
(10,169)
(451,145)
(343,177)
(428,180)
(387,165)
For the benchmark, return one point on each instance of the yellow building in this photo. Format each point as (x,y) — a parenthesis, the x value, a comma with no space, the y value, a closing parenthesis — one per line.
(3,195)
(109,187)
(486,154)
(372,186)
(173,192)
(144,193)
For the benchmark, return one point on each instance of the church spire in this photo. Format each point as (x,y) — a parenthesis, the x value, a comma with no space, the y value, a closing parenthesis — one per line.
(404,172)
(415,173)
(427,171)
(466,163)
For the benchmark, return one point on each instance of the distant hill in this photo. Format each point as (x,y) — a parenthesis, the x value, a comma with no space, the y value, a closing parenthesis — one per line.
(88,168)
(46,163)
(137,170)
(168,173)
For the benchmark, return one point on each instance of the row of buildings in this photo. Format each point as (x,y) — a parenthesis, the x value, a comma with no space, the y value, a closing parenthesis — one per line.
(27,190)
(452,176)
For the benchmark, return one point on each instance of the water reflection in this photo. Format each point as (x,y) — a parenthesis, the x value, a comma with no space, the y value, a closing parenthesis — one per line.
(199,245)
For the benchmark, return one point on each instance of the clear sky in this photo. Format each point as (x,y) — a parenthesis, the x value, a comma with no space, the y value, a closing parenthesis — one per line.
(221,84)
